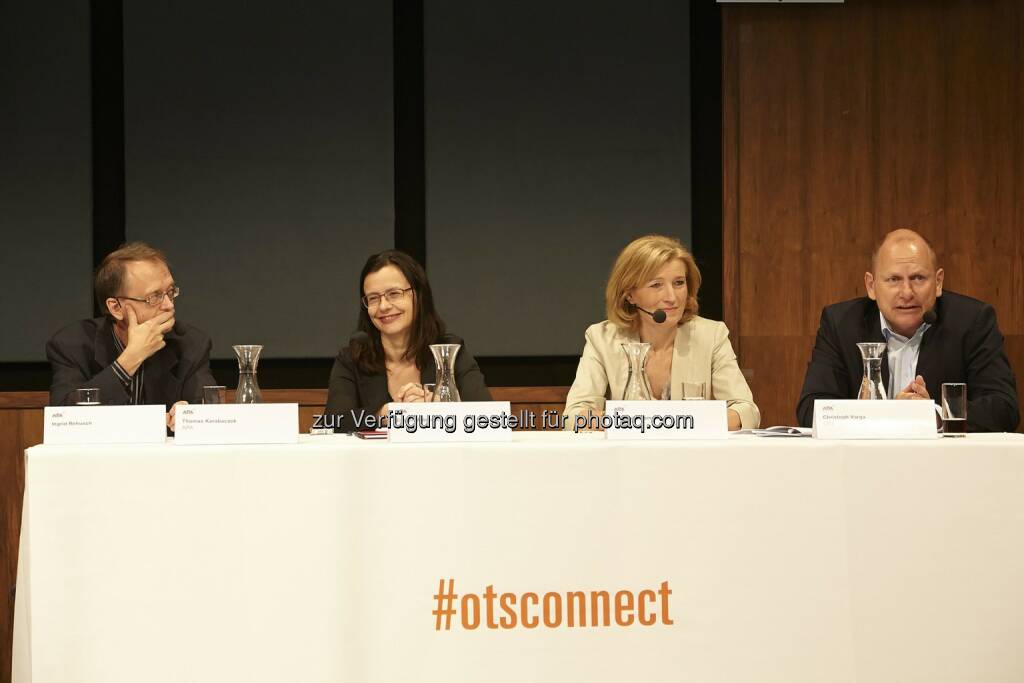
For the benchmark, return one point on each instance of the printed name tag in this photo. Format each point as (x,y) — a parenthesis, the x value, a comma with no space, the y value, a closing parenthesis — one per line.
(457,422)
(237,423)
(665,420)
(874,420)
(104,424)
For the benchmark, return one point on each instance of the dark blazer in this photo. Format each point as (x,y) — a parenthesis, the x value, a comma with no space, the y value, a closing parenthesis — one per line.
(351,389)
(963,345)
(82,355)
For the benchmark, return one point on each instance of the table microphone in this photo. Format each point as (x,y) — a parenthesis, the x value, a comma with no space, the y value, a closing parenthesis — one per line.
(930,317)
(657,316)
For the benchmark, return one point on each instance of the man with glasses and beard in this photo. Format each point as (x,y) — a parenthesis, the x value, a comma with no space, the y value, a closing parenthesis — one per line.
(137,353)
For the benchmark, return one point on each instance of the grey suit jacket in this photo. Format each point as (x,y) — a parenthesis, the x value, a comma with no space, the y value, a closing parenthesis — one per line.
(82,354)
(702,353)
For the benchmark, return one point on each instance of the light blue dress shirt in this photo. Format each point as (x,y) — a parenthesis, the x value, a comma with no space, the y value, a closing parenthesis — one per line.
(903,354)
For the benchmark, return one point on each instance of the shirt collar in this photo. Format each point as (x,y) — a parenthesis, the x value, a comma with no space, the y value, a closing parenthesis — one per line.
(888,332)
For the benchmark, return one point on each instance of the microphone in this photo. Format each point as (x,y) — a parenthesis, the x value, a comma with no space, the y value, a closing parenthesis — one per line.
(930,317)
(657,316)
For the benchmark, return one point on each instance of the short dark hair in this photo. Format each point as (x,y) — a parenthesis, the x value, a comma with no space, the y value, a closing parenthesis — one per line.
(427,326)
(110,274)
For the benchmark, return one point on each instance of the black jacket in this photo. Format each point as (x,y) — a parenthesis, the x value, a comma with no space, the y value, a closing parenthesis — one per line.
(82,355)
(963,345)
(351,389)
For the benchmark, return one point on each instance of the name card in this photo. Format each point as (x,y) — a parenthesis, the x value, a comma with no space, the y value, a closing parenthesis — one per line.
(469,421)
(237,423)
(874,420)
(64,425)
(665,420)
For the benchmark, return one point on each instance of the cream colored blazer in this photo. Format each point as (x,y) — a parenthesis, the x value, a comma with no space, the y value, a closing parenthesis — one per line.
(702,354)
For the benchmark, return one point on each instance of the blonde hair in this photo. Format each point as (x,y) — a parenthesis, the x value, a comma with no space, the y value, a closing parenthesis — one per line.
(636,264)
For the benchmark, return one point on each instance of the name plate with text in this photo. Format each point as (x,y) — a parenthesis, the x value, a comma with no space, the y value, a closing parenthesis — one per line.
(665,420)
(104,424)
(874,419)
(469,421)
(237,423)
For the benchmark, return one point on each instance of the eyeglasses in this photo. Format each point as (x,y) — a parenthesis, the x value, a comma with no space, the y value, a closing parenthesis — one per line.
(157,298)
(392,295)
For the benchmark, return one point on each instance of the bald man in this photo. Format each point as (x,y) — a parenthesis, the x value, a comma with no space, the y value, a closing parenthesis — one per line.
(932,337)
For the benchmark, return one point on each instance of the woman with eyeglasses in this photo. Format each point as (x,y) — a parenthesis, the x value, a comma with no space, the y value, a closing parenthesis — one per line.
(389,359)
(651,296)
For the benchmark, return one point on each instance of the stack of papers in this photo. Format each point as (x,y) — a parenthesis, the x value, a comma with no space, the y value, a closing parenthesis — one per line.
(777,431)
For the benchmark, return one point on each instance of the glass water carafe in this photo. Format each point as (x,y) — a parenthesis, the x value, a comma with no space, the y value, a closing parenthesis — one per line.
(248,390)
(872,387)
(637,386)
(444,358)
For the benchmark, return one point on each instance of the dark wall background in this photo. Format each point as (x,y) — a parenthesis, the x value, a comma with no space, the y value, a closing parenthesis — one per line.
(258,147)
(555,133)
(45,203)
(263,146)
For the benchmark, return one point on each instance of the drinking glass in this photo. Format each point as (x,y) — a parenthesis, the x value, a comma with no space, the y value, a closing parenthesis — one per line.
(214,394)
(89,396)
(693,391)
(954,409)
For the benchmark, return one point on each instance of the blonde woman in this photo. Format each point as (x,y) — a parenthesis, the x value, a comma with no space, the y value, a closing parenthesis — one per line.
(651,296)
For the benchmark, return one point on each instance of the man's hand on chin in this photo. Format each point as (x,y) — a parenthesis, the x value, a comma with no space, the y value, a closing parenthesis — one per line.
(916,390)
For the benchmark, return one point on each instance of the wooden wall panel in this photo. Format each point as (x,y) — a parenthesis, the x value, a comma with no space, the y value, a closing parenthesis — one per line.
(19,428)
(836,173)
(842,122)
(983,175)
(772,147)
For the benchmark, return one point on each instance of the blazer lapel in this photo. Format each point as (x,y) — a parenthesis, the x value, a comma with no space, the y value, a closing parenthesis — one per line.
(105,349)
(428,375)
(373,389)
(681,350)
(929,365)
(621,338)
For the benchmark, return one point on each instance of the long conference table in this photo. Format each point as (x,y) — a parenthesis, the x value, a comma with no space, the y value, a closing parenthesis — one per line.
(556,557)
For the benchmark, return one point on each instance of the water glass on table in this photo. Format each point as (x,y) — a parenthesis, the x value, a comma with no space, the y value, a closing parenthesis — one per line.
(214,394)
(954,409)
(694,391)
(89,396)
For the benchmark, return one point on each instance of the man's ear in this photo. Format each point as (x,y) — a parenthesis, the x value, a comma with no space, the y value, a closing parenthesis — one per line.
(869,285)
(940,275)
(114,308)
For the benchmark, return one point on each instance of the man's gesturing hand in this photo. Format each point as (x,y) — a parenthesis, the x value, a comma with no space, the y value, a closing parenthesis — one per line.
(916,390)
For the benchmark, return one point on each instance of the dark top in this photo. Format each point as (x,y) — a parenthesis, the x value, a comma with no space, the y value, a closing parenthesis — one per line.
(82,355)
(351,390)
(963,345)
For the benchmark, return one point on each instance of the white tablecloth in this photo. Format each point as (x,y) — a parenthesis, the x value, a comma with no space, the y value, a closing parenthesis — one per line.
(789,560)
